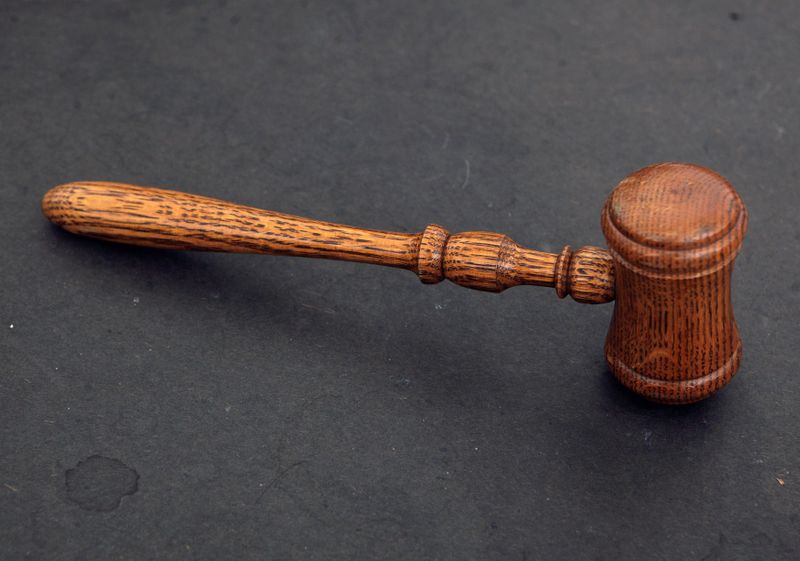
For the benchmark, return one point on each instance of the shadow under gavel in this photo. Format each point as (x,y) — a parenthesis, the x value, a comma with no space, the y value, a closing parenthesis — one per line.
(673,232)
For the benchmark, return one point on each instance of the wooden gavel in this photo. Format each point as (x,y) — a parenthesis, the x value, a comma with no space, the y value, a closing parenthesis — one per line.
(673,231)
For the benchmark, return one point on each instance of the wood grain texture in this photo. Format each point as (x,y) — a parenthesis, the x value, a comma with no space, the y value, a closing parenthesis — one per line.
(673,231)
(174,220)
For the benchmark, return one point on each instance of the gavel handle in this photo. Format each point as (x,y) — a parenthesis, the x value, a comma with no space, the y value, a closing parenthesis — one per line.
(172,220)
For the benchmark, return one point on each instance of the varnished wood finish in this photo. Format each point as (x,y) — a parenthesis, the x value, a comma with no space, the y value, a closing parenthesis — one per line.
(674,231)
(173,220)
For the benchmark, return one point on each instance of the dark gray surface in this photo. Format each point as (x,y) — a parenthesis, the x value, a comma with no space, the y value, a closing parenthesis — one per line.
(283,408)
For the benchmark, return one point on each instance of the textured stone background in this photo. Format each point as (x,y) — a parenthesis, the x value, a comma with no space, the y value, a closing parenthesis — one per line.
(160,405)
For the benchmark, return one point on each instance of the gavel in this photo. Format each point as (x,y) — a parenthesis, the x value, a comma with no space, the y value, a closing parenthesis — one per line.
(673,232)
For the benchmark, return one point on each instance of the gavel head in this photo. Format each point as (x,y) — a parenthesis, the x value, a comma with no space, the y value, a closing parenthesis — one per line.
(673,231)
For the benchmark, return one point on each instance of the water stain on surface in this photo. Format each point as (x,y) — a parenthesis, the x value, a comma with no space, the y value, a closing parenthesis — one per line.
(99,483)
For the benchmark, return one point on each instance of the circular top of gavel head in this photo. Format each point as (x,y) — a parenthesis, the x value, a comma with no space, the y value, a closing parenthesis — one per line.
(673,231)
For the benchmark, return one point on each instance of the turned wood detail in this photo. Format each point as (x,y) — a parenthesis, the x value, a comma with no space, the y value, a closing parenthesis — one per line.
(673,232)
(174,220)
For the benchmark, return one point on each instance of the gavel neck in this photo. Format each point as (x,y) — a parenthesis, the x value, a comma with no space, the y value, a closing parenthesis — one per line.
(493,262)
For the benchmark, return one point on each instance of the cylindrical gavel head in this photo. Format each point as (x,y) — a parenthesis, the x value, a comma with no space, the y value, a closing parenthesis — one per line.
(673,231)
